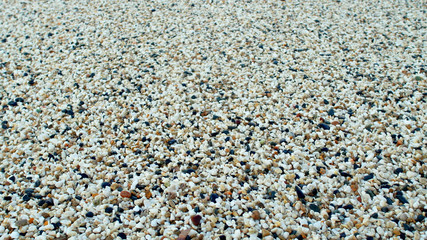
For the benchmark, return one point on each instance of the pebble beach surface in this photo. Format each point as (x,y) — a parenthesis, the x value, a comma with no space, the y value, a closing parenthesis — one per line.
(213,120)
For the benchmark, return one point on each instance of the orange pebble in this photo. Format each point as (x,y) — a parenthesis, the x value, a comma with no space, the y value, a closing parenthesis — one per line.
(125,194)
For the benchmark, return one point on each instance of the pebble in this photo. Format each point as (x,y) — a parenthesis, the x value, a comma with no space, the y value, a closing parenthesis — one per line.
(256,215)
(300,194)
(21,223)
(125,194)
(195,219)
(314,207)
(269,119)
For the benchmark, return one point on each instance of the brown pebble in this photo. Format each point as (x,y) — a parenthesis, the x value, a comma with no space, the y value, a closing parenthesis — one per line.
(265,233)
(354,187)
(148,194)
(114,186)
(396,232)
(183,235)
(46,215)
(196,219)
(399,142)
(125,194)
(256,215)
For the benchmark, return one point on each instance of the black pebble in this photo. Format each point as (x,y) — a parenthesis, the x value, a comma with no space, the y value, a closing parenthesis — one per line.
(19,99)
(12,178)
(371,193)
(348,207)
(4,125)
(299,193)
(29,191)
(344,174)
(402,199)
(41,202)
(420,218)
(105,184)
(122,235)
(375,215)
(89,214)
(408,227)
(108,209)
(49,202)
(324,126)
(12,104)
(222,237)
(7,198)
(368,177)
(398,170)
(26,198)
(314,207)
(331,112)
(189,171)
(213,197)
(83,175)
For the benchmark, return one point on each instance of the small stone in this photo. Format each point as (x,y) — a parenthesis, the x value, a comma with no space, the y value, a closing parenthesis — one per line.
(397,171)
(184,233)
(256,215)
(335,123)
(368,177)
(125,194)
(196,219)
(114,186)
(213,197)
(314,207)
(420,218)
(108,209)
(105,184)
(122,235)
(26,198)
(354,187)
(265,233)
(148,194)
(402,199)
(324,126)
(89,214)
(396,232)
(12,103)
(300,194)
(22,222)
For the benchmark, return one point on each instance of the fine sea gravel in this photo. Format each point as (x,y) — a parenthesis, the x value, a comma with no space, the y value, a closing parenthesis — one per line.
(213,119)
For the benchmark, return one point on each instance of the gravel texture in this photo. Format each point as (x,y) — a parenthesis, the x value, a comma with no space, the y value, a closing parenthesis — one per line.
(213,119)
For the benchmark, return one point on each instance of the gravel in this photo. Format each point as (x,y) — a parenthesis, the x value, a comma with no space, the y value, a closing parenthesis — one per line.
(213,119)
